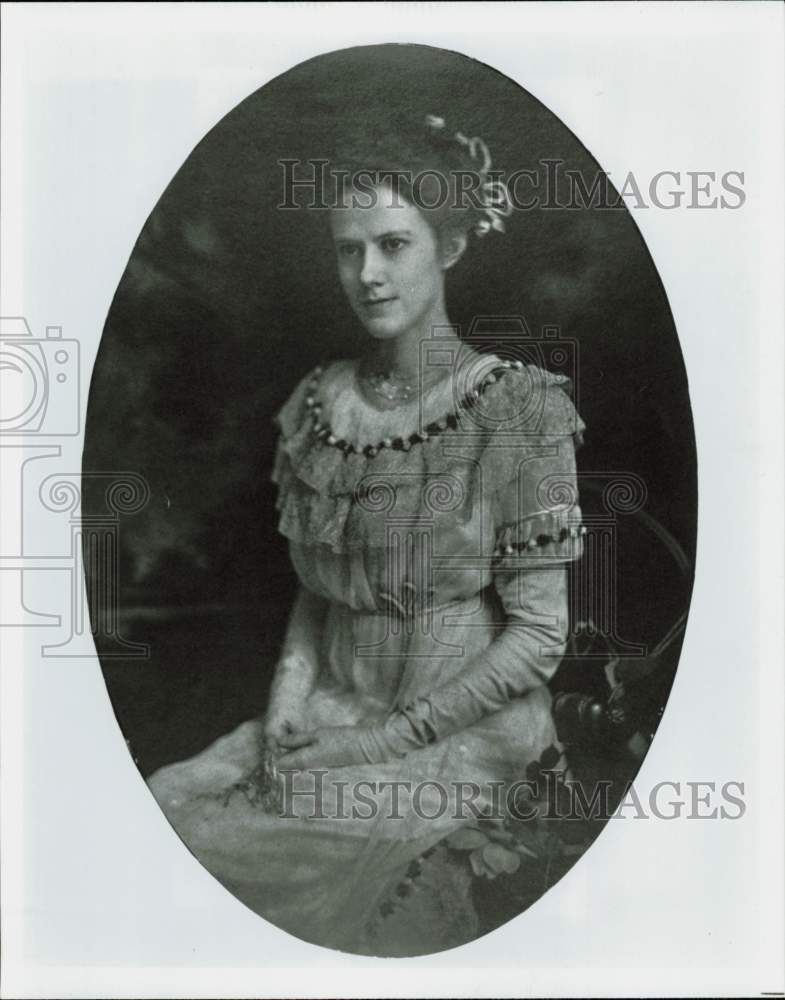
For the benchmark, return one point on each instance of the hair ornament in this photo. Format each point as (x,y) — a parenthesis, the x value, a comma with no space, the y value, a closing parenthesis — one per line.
(494,196)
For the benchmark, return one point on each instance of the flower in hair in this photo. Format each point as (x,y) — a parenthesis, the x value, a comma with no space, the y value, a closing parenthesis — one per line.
(494,196)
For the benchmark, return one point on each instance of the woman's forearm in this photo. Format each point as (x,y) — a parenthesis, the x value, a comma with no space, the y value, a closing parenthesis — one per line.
(523,657)
(298,663)
(303,636)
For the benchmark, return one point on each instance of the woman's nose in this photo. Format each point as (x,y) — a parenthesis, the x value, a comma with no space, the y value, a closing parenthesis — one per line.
(372,272)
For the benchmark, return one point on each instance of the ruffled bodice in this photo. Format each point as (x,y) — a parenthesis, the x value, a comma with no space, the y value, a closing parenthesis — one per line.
(430,462)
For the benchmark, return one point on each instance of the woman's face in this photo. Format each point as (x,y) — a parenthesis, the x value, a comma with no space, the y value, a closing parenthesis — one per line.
(389,262)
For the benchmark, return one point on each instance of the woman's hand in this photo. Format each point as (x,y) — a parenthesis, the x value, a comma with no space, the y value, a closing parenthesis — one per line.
(331,746)
(282,720)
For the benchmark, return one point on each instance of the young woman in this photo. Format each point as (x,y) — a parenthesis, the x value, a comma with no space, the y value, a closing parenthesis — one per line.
(427,491)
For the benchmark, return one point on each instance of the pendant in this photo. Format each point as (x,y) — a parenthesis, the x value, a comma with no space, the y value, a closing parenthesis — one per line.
(393,392)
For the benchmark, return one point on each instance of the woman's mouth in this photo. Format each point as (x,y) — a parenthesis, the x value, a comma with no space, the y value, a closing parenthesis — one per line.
(375,304)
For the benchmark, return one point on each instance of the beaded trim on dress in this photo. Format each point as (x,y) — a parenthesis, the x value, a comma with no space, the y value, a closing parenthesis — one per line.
(353,421)
(324,488)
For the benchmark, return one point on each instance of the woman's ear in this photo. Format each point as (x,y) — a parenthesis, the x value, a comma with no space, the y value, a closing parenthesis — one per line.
(453,247)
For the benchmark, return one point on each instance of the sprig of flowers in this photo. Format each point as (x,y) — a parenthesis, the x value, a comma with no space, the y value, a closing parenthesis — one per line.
(536,830)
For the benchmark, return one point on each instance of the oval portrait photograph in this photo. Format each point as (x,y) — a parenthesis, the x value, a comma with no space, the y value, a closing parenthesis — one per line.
(393,623)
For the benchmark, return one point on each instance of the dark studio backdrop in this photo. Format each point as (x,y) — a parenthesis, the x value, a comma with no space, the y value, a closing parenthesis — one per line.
(227,301)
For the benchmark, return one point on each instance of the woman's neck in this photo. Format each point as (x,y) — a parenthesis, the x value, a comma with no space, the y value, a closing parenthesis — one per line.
(402,355)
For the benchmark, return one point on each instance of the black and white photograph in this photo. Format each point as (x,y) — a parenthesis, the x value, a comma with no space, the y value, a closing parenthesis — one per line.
(410,484)
(353,534)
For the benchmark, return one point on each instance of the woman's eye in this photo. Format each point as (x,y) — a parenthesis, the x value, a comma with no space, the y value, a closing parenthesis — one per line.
(393,243)
(347,250)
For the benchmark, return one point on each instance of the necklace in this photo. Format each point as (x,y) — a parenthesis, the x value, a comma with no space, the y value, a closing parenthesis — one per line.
(390,386)
(396,388)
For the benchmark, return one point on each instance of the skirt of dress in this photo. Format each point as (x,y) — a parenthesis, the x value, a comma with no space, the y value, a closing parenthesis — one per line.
(325,863)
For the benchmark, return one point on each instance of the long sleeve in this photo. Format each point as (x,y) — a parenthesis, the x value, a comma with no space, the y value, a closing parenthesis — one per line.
(298,664)
(538,533)
(523,657)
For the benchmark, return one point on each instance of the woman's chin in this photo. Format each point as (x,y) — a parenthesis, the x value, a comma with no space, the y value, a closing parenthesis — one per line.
(382,329)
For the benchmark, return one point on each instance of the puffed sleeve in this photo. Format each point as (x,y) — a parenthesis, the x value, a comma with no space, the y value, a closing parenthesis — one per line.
(538,534)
